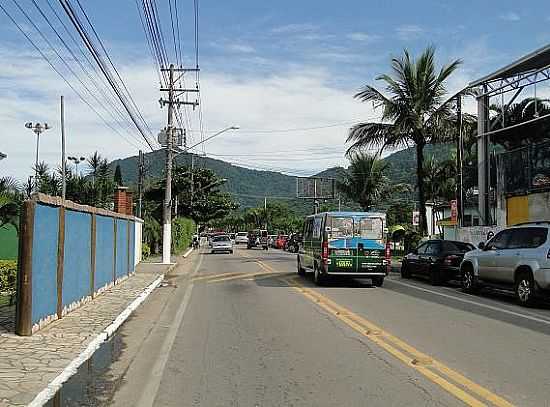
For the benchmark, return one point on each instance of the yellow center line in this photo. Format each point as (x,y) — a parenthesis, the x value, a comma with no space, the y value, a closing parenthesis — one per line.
(247,275)
(210,276)
(450,380)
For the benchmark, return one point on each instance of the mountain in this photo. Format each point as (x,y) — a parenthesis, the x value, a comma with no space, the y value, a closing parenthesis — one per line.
(249,186)
(403,163)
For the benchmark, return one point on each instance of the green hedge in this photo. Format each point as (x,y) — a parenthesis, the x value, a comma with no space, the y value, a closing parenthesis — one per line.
(8,275)
(183,230)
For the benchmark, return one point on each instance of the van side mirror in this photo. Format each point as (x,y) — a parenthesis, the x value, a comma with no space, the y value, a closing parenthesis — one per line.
(481,246)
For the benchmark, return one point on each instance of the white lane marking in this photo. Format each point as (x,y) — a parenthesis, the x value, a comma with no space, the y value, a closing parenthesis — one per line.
(505,311)
(149,394)
(45,395)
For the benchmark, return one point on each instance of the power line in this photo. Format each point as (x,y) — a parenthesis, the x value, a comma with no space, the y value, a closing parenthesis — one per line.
(97,86)
(129,95)
(58,72)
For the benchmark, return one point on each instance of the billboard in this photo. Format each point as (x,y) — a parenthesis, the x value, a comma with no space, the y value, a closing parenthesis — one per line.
(315,187)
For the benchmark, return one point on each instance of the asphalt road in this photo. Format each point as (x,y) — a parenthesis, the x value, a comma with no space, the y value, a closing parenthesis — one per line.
(245,330)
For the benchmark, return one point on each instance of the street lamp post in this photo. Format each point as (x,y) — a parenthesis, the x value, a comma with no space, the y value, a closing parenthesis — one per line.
(37,129)
(76,161)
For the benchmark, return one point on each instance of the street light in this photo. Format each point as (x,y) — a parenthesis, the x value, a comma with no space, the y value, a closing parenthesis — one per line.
(76,161)
(2,156)
(37,129)
(185,150)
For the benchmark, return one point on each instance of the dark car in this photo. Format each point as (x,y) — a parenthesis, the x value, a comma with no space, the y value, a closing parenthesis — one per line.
(439,260)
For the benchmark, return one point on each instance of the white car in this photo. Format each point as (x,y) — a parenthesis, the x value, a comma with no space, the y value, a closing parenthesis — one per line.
(241,237)
(221,243)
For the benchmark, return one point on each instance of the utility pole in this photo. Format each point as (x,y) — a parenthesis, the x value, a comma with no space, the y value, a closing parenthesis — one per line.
(265,211)
(167,207)
(141,173)
(63,159)
(460,159)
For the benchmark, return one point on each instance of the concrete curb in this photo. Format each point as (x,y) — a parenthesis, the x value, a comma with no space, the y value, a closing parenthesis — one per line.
(53,387)
(187,253)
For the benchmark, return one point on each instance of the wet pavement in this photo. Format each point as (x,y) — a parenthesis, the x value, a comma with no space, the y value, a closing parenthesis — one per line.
(92,385)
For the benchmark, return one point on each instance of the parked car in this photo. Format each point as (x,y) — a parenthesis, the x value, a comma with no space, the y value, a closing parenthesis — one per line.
(346,244)
(241,238)
(221,243)
(281,241)
(515,259)
(437,259)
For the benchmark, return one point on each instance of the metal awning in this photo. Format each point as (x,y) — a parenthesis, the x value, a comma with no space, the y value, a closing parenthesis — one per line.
(534,61)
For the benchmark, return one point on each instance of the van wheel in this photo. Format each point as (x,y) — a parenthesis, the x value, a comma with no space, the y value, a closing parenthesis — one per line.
(301,270)
(318,278)
(525,288)
(469,282)
(377,281)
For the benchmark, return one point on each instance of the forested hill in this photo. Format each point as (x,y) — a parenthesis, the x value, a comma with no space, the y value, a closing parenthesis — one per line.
(250,186)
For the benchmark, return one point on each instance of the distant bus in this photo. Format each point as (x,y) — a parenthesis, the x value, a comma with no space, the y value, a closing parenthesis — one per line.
(349,244)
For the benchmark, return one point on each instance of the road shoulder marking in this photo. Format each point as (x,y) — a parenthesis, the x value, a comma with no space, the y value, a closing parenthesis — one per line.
(471,302)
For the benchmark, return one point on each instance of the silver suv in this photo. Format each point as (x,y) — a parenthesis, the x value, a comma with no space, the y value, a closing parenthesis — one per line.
(516,258)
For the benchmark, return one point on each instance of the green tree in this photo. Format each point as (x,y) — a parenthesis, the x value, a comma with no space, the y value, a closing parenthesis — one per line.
(365,181)
(10,201)
(118,176)
(414,111)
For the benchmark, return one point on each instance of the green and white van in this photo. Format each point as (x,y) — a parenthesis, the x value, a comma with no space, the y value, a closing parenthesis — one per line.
(347,244)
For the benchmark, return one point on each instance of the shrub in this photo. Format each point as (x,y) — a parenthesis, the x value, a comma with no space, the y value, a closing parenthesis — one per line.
(145,250)
(183,230)
(8,275)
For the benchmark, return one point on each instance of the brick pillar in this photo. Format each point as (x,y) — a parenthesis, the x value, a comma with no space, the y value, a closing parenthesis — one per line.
(129,203)
(120,199)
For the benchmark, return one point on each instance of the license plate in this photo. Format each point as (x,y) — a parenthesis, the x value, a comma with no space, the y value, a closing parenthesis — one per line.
(344,263)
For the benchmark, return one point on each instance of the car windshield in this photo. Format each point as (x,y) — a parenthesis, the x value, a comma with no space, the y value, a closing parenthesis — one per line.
(457,247)
(242,234)
(221,239)
(347,227)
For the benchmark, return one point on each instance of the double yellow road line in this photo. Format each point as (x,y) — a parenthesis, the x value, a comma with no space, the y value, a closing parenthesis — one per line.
(464,389)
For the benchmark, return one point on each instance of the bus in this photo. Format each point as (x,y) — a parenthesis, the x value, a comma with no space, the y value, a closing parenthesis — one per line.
(348,244)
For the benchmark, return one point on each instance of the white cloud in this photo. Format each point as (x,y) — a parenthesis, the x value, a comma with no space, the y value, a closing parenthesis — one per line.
(294,28)
(244,48)
(361,36)
(301,97)
(409,32)
(510,16)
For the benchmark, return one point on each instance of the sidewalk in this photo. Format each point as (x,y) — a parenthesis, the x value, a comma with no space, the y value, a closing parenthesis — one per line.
(28,364)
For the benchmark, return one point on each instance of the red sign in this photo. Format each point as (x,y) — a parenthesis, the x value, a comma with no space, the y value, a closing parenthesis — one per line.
(454,211)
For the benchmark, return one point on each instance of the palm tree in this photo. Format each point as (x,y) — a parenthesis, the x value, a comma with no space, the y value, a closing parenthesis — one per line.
(365,181)
(414,111)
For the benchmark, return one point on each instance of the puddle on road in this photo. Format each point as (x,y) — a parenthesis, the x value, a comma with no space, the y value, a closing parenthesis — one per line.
(92,385)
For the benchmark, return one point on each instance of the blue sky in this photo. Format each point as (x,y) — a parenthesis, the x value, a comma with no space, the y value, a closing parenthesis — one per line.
(266,66)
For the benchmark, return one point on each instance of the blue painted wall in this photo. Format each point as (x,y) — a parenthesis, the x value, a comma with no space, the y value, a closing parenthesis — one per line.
(44,262)
(121,248)
(104,251)
(77,261)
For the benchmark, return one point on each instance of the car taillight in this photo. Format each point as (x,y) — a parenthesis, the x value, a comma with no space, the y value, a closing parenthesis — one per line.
(449,260)
(325,251)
